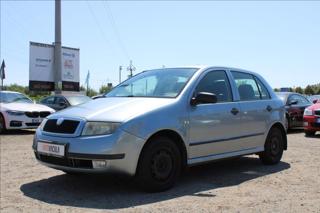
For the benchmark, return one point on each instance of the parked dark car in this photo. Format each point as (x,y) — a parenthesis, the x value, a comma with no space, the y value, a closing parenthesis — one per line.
(295,104)
(59,102)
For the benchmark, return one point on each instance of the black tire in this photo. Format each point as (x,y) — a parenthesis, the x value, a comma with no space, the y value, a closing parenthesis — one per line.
(2,124)
(273,147)
(309,133)
(73,173)
(159,165)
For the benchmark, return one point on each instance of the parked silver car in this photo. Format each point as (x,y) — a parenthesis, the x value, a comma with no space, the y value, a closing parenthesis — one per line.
(160,121)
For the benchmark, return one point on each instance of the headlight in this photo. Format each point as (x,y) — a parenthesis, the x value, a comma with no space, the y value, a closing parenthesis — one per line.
(42,123)
(307,112)
(99,128)
(15,112)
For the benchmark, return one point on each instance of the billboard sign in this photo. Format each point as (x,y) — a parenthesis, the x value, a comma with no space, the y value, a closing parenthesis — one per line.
(41,68)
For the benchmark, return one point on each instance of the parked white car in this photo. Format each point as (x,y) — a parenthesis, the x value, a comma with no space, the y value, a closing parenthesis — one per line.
(17,111)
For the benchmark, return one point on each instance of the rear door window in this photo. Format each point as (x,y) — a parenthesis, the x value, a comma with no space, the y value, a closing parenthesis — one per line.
(247,86)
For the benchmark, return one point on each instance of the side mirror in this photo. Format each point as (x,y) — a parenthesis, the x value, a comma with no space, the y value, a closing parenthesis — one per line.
(315,101)
(293,102)
(204,98)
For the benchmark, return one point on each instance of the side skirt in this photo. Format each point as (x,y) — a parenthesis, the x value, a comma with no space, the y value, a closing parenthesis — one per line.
(202,159)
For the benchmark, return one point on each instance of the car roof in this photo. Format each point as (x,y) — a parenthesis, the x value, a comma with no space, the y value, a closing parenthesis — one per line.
(205,67)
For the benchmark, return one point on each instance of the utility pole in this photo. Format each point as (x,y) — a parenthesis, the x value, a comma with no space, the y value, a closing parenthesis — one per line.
(131,69)
(120,69)
(57,48)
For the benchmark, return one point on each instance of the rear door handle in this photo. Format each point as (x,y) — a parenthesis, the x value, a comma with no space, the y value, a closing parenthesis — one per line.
(234,111)
(269,108)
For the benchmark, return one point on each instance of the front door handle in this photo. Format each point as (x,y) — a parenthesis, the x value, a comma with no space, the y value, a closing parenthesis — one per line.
(269,108)
(234,111)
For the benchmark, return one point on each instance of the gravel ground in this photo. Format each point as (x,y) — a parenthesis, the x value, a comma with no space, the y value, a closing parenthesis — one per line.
(239,185)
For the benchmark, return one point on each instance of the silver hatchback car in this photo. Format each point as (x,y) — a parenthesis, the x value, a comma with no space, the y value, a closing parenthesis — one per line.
(160,121)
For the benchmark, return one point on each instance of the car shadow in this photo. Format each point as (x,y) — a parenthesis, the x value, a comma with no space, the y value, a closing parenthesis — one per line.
(110,192)
(19,132)
(295,131)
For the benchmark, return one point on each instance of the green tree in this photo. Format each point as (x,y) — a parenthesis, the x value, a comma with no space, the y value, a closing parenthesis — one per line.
(308,90)
(91,92)
(276,90)
(105,88)
(318,91)
(299,90)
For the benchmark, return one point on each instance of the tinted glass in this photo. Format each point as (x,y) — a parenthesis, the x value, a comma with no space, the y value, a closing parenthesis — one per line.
(48,100)
(247,86)
(14,97)
(216,82)
(299,98)
(154,83)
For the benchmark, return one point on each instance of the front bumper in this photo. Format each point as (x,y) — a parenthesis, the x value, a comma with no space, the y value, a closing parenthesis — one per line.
(21,122)
(120,152)
(310,123)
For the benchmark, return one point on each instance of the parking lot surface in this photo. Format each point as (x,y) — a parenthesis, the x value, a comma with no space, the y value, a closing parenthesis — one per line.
(237,185)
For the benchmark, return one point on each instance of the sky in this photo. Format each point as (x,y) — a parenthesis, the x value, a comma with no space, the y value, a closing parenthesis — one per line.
(279,40)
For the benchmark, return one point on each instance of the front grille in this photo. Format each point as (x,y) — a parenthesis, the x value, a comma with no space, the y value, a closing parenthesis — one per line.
(32,124)
(66,127)
(36,114)
(68,162)
(317,112)
(44,114)
(32,114)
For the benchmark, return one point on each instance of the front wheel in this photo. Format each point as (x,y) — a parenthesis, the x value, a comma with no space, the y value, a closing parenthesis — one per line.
(273,148)
(159,165)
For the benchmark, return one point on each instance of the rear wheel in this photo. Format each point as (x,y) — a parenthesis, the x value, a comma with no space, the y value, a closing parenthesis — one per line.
(159,165)
(309,133)
(2,124)
(273,148)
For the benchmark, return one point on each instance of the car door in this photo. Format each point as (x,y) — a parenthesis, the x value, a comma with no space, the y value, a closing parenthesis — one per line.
(296,104)
(214,126)
(256,107)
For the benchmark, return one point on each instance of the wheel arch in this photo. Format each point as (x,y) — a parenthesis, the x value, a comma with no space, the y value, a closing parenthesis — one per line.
(283,132)
(175,137)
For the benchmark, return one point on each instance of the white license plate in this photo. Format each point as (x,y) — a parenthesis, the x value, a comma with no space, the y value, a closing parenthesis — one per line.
(36,120)
(318,120)
(51,149)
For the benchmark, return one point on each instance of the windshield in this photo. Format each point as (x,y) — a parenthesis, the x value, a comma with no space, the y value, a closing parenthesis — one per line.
(75,100)
(163,83)
(14,97)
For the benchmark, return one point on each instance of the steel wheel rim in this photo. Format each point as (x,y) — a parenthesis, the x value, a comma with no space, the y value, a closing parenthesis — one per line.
(162,165)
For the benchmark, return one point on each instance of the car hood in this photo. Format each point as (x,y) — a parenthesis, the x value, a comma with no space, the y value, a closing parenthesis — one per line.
(25,107)
(114,109)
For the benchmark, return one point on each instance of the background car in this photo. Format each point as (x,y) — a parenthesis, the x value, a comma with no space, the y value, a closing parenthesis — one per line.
(59,102)
(314,98)
(295,104)
(17,111)
(311,119)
